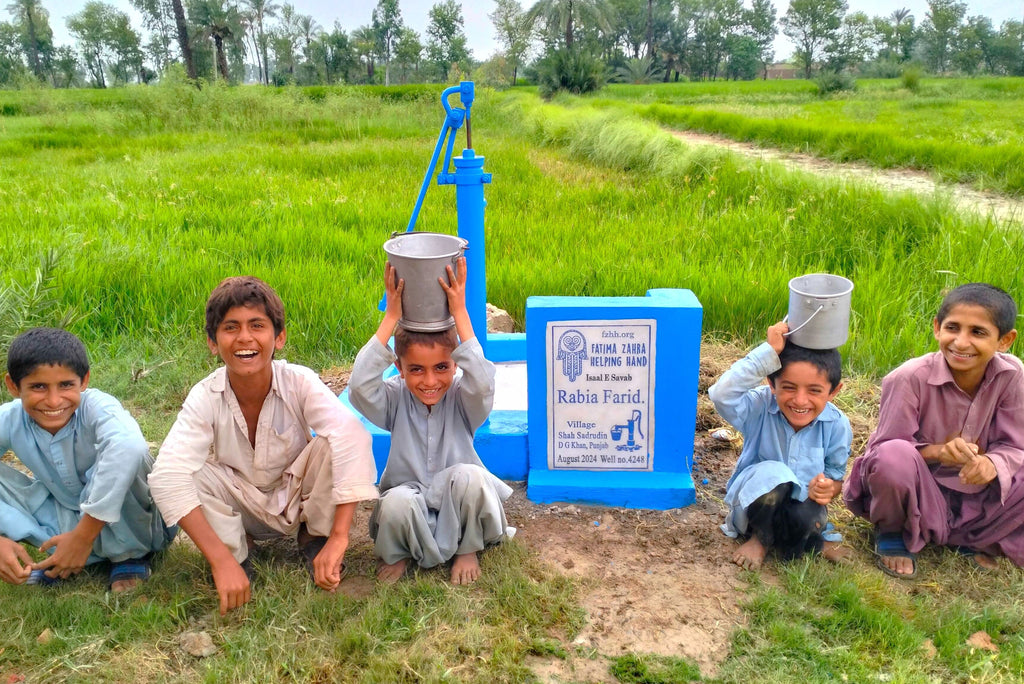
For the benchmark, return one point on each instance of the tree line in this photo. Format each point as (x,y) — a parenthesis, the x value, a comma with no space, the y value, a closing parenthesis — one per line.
(565,42)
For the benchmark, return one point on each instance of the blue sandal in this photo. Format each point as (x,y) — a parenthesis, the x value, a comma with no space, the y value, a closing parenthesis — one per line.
(39,577)
(891,544)
(132,568)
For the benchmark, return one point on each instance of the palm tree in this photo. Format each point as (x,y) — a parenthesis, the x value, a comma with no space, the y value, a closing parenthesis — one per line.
(220,21)
(183,42)
(563,15)
(260,9)
(897,19)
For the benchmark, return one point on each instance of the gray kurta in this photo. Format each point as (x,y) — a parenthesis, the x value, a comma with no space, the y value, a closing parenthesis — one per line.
(437,498)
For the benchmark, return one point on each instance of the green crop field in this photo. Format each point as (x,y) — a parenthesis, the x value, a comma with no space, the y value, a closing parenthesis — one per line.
(132,204)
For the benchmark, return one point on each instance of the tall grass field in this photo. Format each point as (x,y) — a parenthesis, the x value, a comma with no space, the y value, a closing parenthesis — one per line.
(121,210)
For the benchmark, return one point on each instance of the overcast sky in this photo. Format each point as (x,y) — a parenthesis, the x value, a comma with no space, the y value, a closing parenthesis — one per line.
(352,14)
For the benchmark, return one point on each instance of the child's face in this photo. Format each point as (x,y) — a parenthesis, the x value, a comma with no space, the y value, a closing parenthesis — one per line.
(50,395)
(802,390)
(968,338)
(246,341)
(428,371)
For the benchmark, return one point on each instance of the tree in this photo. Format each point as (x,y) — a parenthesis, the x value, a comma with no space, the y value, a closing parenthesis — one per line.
(974,46)
(852,44)
(514,30)
(939,30)
(715,22)
(65,67)
(364,43)
(812,25)
(741,58)
(760,20)
(12,68)
(28,14)
(90,26)
(220,21)
(1008,49)
(260,10)
(158,18)
(446,39)
(563,15)
(181,29)
(408,52)
(387,24)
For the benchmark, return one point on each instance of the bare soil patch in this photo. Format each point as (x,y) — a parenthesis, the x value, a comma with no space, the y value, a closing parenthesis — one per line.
(1000,208)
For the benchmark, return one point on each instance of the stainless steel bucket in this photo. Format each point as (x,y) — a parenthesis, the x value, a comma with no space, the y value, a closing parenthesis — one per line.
(819,310)
(420,259)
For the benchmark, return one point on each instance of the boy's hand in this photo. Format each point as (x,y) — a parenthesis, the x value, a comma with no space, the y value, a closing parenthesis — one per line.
(393,292)
(327,564)
(455,288)
(957,452)
(979,471)
(15,563)
(71,551)
(776,336)
(232,586)
(822,490)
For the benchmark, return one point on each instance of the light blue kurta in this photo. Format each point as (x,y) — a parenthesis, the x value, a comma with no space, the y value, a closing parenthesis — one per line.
(437,498)
(97,464)
(773,453)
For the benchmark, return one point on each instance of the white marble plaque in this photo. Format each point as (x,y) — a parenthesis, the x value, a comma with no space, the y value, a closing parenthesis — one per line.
(600,394)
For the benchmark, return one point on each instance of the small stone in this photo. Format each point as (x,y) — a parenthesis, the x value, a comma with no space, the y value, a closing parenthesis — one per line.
(45,637)
(198,644)
(929,649)
(722,435)
(571,510)
(499,320)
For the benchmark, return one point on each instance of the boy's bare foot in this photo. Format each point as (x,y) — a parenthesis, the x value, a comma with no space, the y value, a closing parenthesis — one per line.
(750,555)
(465,569)
(900,565)
(389,573)
(124,585)
(836,552)
(986,562)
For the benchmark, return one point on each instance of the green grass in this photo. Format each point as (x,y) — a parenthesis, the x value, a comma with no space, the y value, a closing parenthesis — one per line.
(968,131)
(150,196)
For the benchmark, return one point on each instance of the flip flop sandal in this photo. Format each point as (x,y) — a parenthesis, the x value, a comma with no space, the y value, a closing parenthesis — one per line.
(891,544)
(39,577)
(132,568)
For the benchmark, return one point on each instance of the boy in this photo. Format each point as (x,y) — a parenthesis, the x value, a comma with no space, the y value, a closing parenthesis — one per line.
(943,465)
(87,499)
(438,501)
(795,447)
(241,461)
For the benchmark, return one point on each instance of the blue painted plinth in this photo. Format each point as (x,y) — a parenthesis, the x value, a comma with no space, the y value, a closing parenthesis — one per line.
(583,393)
(628,490)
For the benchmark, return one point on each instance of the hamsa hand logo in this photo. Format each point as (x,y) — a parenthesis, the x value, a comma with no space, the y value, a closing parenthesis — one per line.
(572,349)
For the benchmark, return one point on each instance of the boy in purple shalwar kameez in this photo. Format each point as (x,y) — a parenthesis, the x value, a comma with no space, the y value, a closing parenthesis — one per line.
(944,465)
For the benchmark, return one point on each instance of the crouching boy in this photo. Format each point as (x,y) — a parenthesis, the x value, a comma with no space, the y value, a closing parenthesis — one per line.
(438,501)
(795,447)
(241,461)
(945,464)
(87,499)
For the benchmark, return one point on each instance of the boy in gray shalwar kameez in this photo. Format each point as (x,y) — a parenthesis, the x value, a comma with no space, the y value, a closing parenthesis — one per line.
(437,500)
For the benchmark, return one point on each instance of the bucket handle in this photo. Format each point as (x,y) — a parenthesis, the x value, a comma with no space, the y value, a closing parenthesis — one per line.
(820,307)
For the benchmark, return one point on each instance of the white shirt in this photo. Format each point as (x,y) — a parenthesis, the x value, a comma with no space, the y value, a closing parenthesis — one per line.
(211,427)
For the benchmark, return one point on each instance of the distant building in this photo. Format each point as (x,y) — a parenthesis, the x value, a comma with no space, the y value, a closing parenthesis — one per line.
(783,70)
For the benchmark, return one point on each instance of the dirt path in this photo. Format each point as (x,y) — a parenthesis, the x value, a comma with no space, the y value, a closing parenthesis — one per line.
(1002,209)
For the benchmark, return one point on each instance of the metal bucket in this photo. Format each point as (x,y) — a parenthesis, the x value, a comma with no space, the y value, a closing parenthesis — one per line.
(420,259)
(819,310)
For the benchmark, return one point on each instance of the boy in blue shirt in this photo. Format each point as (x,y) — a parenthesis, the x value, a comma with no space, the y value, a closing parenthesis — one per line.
(87,499)
(795,447)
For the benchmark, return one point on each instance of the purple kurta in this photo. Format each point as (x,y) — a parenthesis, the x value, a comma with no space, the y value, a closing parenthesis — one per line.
(892,486)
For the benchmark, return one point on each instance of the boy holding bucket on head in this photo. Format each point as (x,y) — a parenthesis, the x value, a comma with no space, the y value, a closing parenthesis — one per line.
(438,502)
(795,441)
(944,464)
(261,448)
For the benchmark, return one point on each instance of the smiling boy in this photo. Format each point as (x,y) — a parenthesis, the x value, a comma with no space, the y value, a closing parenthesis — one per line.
(438,502)
(943,467)
(795,447)
(87,499)
(241,461)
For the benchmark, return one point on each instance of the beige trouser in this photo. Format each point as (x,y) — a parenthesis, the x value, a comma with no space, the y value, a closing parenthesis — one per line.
(234,506)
